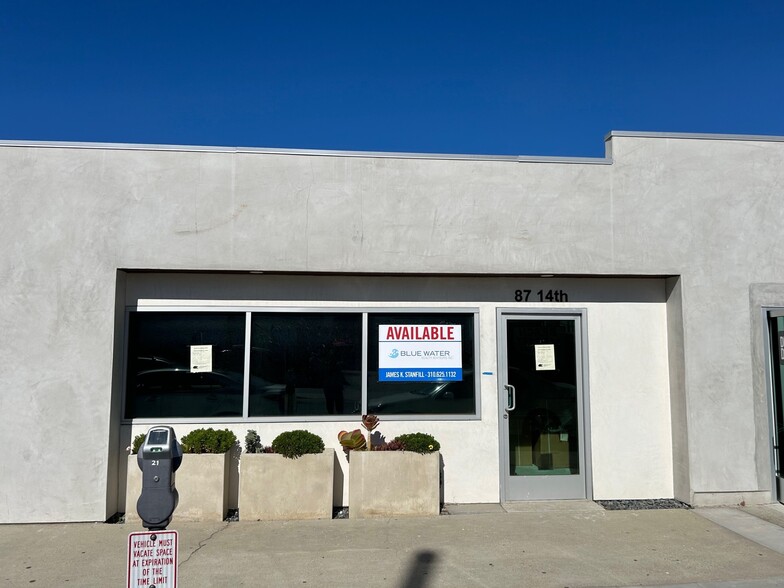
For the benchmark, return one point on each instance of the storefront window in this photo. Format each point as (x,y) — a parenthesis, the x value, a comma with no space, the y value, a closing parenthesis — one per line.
(192,364)
(185,364)
(305,364)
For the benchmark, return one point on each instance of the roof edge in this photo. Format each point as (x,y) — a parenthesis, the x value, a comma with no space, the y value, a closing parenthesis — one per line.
(307,152)
(696,136)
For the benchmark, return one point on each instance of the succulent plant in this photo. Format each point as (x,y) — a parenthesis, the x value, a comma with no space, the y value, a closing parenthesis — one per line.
(252,442)
(369,421)
(352,439)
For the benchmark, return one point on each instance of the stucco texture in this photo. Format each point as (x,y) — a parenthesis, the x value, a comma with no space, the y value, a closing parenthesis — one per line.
(706,210)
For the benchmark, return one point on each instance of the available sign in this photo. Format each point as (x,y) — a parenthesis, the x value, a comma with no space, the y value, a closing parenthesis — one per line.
(152,559)
(420,353)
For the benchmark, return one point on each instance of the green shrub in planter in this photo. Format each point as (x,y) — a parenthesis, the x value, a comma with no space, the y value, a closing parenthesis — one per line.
(418,442)
(208,441)
(293,444)
(137,443)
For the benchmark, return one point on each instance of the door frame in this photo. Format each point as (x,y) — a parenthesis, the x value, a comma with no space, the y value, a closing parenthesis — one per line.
(776,481)
(581,317)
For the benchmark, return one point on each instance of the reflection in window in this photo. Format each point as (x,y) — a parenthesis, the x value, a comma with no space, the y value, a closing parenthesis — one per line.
(305,364)
(434,396)
(302,364)
(160,382)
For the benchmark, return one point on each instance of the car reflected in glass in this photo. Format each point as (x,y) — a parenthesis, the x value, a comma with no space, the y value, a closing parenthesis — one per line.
(178,392)
(451,397)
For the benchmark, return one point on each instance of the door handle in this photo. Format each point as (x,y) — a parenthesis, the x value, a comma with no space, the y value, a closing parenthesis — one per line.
(511,398)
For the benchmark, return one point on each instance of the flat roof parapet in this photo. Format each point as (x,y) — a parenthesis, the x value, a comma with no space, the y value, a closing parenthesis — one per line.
(388,154)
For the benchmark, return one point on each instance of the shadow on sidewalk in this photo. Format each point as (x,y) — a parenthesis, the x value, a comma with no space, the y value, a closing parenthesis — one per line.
(422,566)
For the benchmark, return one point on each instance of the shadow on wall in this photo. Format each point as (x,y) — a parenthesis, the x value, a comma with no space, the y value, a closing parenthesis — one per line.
(337,483)
(421,571)
(234,477)
(441,481)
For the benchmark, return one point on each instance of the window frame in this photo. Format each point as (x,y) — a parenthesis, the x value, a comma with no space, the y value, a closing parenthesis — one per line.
(248,310)
(475,367)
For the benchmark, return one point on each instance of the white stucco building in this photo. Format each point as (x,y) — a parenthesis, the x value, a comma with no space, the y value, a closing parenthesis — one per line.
(574,328)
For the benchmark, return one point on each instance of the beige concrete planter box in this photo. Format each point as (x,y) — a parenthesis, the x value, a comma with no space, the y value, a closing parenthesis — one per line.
(393,484)
(202,482)
(273,487)
(133,487)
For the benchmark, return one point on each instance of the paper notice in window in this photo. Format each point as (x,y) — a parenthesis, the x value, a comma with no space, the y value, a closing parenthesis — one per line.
(545,357)
(201,358)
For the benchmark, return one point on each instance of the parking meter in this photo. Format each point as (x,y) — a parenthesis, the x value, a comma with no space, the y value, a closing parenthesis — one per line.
(158,458)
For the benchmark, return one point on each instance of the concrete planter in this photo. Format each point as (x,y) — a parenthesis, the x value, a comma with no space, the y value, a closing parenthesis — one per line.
(202,482)
(273,487)
(133,487)
(393,484)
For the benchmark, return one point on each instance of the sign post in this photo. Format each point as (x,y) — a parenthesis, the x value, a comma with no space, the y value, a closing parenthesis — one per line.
(152,559)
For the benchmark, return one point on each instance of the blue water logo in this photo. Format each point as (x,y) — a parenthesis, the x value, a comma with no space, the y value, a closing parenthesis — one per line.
(394,353)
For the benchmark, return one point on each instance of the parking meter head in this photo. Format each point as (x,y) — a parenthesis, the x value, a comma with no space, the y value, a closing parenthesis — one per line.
(158,458)
(160,443)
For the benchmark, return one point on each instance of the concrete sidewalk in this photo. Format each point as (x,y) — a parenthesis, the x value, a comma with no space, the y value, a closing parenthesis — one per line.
(534,544)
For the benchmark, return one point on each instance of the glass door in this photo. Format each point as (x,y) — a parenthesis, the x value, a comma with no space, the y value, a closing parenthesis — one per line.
(541,387)
(776,327)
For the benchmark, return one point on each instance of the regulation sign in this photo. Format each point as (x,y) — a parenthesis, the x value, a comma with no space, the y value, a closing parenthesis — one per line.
(420,353)
(545,357)
(152,559)
(201,358)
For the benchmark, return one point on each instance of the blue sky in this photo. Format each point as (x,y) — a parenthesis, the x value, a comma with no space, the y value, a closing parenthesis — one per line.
(513,78)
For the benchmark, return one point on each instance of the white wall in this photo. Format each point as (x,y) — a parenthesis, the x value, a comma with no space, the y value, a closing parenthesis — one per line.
(631,438)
